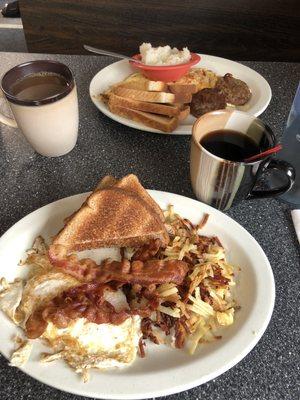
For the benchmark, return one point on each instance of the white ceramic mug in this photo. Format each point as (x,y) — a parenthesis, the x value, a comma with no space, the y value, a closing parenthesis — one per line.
(50,125)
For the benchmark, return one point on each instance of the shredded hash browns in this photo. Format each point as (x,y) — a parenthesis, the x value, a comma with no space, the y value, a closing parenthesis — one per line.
(195,310)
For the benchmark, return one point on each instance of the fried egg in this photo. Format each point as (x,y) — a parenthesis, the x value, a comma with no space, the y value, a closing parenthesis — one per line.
(84,345)
(21,355)
(10,298)
(42,288)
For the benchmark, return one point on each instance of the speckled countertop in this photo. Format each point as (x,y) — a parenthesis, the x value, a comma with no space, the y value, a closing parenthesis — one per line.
(29,181)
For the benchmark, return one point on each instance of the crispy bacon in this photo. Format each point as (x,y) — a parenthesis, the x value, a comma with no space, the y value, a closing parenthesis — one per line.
(88,300)
(164,322)
(83,270)
(84,301)
(146,327)
(218,279)
(203,243)
(145,274)
(136,272)
(205,296)
(148,251)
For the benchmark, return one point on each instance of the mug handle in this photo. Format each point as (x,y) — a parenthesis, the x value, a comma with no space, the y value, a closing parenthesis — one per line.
(4,119)
(283,167)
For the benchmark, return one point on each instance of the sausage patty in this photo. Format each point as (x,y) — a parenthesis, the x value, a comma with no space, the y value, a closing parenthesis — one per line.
(236,92)
(207,100)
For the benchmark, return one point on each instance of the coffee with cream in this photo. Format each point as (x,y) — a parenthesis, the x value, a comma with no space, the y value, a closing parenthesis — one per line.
(39,86)
(42,97)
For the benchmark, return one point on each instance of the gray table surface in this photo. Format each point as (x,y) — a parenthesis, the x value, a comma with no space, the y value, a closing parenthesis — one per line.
(29,181)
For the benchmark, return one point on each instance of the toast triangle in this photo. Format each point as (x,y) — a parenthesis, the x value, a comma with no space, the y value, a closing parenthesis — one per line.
(112,217)
(131,183)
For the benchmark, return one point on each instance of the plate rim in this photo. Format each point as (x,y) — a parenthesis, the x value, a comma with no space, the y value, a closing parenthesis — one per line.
(196,382)
(186,129)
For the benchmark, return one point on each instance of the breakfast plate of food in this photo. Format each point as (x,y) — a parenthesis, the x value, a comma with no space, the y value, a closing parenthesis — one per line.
(104,293)
(141,96)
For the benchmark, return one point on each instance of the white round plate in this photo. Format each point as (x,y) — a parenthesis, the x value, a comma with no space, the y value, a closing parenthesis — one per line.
(164,370)
(116,72)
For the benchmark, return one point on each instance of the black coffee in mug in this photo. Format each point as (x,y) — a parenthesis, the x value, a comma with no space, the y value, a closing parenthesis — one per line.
(221,141)
(39,86)
(230,144)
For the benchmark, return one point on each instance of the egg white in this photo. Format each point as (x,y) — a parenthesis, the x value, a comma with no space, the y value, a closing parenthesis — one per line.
(10,298)
(82,344)
(87,345)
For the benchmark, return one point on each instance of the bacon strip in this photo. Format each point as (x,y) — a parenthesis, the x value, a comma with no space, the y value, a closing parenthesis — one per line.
(147,273)
(148,251)
(136,272)
(146,327)
(87,300)
(83,270)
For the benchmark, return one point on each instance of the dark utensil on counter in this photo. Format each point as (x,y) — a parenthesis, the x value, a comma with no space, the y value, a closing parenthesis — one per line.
(273,150)
(110,53)
(11,10)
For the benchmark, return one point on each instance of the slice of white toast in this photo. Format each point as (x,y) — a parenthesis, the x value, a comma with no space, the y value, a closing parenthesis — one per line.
(143,95)
(140,82)
(160,122)
(156,108)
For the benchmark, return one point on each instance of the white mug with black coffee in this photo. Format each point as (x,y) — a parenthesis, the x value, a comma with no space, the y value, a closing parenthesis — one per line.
(42,96)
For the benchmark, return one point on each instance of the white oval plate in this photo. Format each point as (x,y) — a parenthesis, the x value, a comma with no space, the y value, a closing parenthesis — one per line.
(116,72)
(164,371)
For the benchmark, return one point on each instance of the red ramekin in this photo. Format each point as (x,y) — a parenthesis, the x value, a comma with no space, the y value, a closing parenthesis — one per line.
(165,73)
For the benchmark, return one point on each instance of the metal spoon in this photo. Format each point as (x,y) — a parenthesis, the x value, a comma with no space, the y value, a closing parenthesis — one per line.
(110,53)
